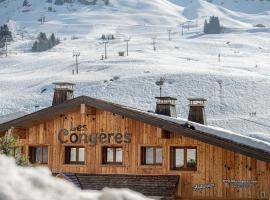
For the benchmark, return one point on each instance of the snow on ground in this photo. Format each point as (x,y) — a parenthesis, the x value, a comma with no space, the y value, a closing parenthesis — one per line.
(21,183)
(234,87)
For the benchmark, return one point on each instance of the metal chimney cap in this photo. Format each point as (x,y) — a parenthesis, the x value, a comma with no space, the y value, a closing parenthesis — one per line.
(63,86)
(165,98)
(197,101)
(63,83)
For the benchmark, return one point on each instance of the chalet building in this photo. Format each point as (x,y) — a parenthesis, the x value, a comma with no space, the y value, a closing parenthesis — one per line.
(96,144)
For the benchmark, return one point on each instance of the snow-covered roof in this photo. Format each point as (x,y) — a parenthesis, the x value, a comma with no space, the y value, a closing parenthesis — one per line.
(257,140)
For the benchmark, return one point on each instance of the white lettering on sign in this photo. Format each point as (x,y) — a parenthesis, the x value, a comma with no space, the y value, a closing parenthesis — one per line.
(239,183)
(199,187)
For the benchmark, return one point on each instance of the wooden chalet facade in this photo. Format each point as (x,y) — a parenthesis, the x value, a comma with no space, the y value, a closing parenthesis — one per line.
(95,143)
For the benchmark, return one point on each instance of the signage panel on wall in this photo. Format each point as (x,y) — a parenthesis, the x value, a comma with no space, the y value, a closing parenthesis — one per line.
(79,135)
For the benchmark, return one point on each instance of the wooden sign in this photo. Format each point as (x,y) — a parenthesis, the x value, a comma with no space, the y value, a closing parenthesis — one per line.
(79,135)
(239,183)
(199,187)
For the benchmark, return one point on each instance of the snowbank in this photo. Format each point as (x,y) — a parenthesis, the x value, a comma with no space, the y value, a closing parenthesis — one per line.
(18,183)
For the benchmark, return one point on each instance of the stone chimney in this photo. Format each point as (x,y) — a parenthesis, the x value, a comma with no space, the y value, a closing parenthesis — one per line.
(166,106)
(63,91)
(196,110)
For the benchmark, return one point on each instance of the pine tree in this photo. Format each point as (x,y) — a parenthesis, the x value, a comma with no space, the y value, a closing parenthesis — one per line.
(43,43)
(213,27)
(8,145)
(205,27)
(35,46)
(52,40)
(5,33)
(59,2)
(25,3)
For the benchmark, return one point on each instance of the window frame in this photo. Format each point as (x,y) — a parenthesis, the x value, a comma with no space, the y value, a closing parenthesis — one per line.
(173,158)
(143,156)
(68,153)
(104,155)
(30,155)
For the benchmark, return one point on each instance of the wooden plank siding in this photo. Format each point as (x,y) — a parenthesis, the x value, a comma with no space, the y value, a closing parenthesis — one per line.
(214,164)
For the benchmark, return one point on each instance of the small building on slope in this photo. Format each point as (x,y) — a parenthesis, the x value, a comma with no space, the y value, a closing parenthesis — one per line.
(97,144)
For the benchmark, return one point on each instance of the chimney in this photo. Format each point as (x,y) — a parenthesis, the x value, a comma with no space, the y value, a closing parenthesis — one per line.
(166,106)
(196,110)
(63,91)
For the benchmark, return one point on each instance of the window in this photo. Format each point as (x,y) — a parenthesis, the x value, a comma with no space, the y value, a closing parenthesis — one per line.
(38,154)
(112,155)
(74,155)
(183,158)
(151,156)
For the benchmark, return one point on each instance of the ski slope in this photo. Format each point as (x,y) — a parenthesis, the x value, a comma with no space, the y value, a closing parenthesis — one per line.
(234,87)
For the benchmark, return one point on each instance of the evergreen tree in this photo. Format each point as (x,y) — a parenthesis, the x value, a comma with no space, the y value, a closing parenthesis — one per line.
(213,27)
(59,2)
(26,3)
(86,2)
(43,43)
(8,145)
(205,27)
(52,40)
(5,33)
(35,46)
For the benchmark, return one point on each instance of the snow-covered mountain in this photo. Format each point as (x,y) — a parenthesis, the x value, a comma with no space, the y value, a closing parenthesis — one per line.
(235,87)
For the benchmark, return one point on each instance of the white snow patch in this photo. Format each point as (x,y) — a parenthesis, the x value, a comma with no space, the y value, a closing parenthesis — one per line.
(21,183)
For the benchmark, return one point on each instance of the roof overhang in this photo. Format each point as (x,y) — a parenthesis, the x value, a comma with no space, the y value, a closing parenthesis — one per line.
(150,118)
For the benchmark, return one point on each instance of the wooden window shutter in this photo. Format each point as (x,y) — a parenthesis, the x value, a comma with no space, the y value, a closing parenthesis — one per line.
(32,154)
(172,157)
(143,159)
(67,155)
(104,155)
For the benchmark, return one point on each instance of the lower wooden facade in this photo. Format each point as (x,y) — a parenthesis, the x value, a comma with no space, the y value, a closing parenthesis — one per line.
(219,173)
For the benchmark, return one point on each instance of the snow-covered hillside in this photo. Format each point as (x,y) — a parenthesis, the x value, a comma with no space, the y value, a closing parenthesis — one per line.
(234,87)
